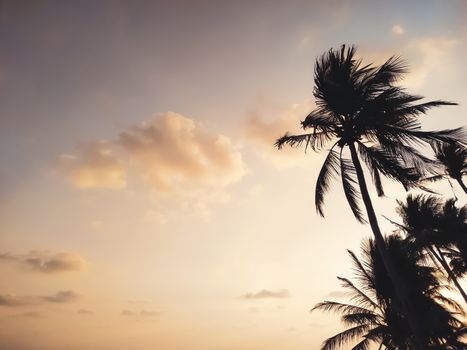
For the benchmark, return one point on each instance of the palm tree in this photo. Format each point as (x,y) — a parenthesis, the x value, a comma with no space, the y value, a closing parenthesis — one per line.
(432,225)
(374,314)
(362,112)
(454,223)
(453,159)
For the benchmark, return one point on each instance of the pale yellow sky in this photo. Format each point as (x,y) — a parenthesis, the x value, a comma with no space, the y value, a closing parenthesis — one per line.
(143,203)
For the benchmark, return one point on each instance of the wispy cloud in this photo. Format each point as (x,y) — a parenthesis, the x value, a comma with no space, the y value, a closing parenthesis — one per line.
(142,313)
(434,58)
(127,313)
(266,294)
(93,166)
(63,296)
(30,314)
(13,300)
(85,312)
(149,313)
(46,262)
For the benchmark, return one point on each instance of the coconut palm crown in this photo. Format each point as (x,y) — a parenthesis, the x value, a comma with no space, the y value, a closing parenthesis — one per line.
(373,316)
(360,107)
(437,227)
(452,158)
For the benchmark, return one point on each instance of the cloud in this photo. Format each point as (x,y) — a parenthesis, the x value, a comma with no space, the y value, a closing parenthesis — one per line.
(398,29)
(173,154)
(13,300)
(147,313)
(30,314)
(45,262)
(94,166)
(63,296)
(431,58)
(127,313)
(85,312)
(142,313)
(266,294)
(176,154)
(262,132)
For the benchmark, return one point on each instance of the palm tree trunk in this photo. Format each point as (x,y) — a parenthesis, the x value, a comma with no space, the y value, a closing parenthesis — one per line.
(440,257)
(399,286)
(461,183)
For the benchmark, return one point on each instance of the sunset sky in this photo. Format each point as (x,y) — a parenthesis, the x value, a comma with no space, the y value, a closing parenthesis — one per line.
(142,202)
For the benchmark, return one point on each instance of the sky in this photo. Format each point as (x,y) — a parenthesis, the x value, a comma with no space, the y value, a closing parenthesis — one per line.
(142,202)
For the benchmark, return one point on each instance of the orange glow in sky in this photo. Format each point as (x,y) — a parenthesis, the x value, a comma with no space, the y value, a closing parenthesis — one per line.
(143,204)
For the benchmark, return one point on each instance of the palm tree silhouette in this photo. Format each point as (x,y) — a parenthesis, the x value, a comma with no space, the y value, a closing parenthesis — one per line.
(361,110)
(454,223)
(431,225)
(374,314)
(453,159)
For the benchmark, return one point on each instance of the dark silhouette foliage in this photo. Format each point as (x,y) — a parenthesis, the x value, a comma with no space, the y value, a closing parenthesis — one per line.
(361,105)
(374,315)
(360,110)
(452,159)
(438,228)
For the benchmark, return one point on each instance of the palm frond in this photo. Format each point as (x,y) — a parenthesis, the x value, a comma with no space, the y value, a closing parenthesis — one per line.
(411,156)
(452,157)
(422,108)
(349,184)
(329,170)
(433,178)
(320,120)
(359,296)
(362,273)
(373,167)
(315,140)
(363,345)
(389,165)
(387,74)
(333,306)
(450,303)
(432,137)
(344,337)
(360,318)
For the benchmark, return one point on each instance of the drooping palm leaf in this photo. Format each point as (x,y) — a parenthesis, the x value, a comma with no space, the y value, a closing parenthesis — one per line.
(329,170)
(344,337)
(349,183)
